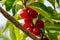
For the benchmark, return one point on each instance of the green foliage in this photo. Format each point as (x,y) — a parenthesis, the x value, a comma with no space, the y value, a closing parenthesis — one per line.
(2,37)
(17,33)
(23,36)
(9,4)
(6,26)
(12,33)
(16,8)
(40,16)
(58,2)
(42,9)
(55,26)
(52,36)
(42,1)
(52,2)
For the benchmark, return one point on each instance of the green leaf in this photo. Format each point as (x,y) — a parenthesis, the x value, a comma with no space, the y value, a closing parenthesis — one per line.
(40,16)
(12,32)
(6,26)
(42,9)
(56,16)
(17,17)
(3,2)
(13,10)
(23,36)
(52,2)
(17,33)
(42,1)
(55,26)
(3,37)
(50,10)
(16,8)
(58,2)
(9,4)
(53,36)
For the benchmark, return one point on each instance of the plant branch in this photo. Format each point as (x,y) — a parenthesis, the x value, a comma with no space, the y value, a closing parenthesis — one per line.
(17,24)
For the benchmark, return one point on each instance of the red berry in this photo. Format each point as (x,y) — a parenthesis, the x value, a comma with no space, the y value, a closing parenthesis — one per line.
(33,13)
(39,24)
(29,29)
(23,13)
(26,25)
(28,19)
(36,31)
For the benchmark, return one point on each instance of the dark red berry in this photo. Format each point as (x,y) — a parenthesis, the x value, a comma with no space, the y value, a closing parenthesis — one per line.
(39,24)
(26,25)
(33,13)
(30,29)
(23,13)
(36,31)
(28,19)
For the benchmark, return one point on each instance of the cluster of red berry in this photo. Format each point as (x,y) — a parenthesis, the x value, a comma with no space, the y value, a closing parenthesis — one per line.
(28,16)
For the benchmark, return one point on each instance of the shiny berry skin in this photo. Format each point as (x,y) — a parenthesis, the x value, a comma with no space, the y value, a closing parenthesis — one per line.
(39,24)
(33,13)
(28,19)
(26,25)
(36,31)
(23,13)
(30,29)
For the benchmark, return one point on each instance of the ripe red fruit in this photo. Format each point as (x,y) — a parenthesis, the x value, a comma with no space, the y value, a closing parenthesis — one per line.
(33,13)
(30,29)
(36,31)
(39,24)
(28,19)
(26,25)
(23,13)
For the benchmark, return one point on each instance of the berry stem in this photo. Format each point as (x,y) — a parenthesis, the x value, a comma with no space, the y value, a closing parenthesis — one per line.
(24,3)
(32,24)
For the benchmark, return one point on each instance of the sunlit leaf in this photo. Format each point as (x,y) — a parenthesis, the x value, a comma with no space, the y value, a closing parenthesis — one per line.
(12,32)
(53,36)
(58,2)
(55,26)
(23,36)
(9,4)
(17,33)
(42,1)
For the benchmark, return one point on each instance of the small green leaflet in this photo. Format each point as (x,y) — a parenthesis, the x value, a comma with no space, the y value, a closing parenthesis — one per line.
(3,37)
(52,36)
(52,2)
(17,33)
(6,26)
(42,1)
(42,9)
(16,8)
(9,4)
(23,36)
(12,32)
(55,26)
(58,2)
